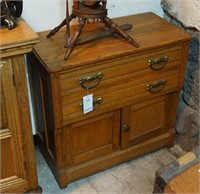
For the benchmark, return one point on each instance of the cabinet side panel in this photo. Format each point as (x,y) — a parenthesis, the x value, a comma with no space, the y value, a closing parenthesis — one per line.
(184,63)
(43,104)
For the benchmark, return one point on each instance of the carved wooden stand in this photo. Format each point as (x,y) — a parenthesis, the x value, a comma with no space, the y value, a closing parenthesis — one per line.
(88,11)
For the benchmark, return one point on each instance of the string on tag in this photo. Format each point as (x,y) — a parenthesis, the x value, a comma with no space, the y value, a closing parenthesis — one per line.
(87,90)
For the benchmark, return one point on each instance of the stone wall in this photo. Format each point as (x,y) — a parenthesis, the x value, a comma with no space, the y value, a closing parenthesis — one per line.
(186,15)
(185,11)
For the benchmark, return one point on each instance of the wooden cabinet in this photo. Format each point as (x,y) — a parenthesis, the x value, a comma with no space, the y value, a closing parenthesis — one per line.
(18,167)
(135,95)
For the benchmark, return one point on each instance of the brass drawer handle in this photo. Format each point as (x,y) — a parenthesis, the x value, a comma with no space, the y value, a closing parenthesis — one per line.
(158,63)
(96,103)
(89,82)
(156,87)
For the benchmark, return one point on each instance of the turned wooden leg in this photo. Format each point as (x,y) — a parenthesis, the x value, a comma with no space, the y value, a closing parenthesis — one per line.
(82,22)
(57,28)
(111,24)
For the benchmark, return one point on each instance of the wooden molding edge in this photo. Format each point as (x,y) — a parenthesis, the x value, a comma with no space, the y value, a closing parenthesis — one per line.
(13,184)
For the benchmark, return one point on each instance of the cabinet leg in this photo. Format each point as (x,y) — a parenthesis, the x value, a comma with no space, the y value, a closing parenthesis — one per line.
(38,190)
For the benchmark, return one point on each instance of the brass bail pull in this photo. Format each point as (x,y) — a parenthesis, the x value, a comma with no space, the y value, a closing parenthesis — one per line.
(89,82)
(156,87)
(158,63)
(96,103)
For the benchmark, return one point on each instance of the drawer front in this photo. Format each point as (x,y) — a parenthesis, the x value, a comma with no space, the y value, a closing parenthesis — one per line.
(119,83)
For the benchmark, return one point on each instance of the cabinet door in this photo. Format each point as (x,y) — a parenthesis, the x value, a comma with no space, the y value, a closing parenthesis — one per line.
(12,176)
(143,121)
(92,138)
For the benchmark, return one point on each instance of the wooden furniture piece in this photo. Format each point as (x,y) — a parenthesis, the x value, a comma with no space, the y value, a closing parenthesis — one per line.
(180,176)
(187,182)
(135,93)
(18,167)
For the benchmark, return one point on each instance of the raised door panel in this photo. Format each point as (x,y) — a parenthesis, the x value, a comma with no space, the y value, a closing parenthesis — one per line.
(91,138)
(13,175)
(96,137)
(143,121)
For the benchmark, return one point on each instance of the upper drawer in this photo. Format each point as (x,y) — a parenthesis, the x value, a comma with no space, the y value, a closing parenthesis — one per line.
(120,81)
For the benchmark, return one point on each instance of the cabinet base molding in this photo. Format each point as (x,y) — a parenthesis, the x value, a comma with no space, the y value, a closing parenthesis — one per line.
(13,184)
(71,174)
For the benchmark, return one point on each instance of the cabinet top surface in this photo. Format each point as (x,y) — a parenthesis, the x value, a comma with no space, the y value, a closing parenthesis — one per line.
(21,35)
(149,31)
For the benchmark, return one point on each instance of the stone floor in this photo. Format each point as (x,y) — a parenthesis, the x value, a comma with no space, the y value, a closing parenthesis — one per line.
(133,177)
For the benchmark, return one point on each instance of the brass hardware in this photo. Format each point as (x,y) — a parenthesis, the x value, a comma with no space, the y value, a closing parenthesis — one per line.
(158,63)
(96,103)
(85,81)
(126,128)
(156,87)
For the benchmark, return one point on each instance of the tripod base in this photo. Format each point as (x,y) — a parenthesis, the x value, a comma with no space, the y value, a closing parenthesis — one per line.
(82,21)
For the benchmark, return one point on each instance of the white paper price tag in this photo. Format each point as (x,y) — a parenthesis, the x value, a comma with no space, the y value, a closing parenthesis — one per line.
(87,103)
